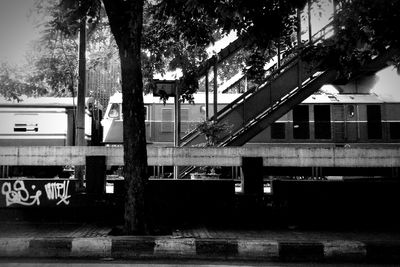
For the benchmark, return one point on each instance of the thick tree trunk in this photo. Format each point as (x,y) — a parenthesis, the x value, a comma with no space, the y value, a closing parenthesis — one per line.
(126,21)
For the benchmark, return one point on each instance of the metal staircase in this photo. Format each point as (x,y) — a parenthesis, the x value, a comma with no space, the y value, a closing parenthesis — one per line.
(284,88)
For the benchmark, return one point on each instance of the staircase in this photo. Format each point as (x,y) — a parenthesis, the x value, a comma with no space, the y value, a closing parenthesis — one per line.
(284,88)
(256,109)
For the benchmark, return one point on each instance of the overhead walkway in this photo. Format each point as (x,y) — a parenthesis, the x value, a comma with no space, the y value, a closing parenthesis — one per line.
(257,108)
(283,88)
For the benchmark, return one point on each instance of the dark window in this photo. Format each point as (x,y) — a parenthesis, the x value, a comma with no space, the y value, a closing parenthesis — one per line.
(184,120)
(374,123)
(338,125)
(146,113)
(301,125)
(167,121)
(322,117)
(395,130)
(278,130)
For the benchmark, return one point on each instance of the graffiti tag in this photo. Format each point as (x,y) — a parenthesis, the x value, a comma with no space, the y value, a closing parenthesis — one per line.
(59,191)
(18,194)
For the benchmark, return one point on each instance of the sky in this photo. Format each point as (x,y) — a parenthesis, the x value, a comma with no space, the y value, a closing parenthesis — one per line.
(16,30)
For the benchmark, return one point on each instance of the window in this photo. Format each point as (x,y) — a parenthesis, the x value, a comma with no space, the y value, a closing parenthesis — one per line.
(301,125)
(374,123)
(184,120)
(338,124)
(350,111)
(146,113)
(322,118)
(278,130)
(167,122)
(394,130)
(114,111)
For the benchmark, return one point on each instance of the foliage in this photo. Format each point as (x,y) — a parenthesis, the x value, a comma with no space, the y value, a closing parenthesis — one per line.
(13,85)
(54,57)
(196,20)
(175,36)
(54,64)
(212,130)
(364,29)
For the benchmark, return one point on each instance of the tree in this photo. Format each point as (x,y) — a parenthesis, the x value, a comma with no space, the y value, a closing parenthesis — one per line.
(13,83)
(183,30)
(364,29)
(54,57)
(54,63)
(126,23)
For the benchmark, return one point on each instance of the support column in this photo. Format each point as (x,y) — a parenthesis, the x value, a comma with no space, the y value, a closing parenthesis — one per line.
(299,65)
(80,116)
(177,119)
(309,21)
(215,89)
(207,100)
(334,3)
(80,113)
(177,130)
(252,180)
(96,175)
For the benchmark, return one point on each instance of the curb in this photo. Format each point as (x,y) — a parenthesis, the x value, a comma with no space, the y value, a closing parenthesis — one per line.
(199,248)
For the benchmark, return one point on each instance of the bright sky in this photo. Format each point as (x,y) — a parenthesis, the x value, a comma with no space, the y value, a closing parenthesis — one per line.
(16,31)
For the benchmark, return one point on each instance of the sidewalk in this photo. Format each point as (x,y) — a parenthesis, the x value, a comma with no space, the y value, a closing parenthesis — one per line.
(48,240)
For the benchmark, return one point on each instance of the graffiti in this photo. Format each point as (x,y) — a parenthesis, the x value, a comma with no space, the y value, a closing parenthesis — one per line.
(59,191)
(32,192)
(18,194)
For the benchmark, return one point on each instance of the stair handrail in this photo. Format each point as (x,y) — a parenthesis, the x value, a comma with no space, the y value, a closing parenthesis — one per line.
(266,112)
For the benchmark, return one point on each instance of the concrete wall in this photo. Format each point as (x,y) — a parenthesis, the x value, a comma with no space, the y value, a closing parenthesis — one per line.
(279,156)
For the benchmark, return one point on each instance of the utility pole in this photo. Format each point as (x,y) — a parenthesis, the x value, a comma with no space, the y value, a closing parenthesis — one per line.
(80,113)
(309,21)
(215,88)
(299,64)
(207,100)
(177,130)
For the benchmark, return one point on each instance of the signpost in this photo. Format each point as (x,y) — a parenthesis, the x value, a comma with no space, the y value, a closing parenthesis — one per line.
(167,88)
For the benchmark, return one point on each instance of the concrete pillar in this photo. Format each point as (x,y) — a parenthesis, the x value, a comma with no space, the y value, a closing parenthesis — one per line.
(95,175)
(80,112)
(252,181)
(177,130)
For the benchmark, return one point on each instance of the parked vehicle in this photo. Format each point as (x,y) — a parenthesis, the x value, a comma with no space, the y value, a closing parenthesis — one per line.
(159,117)
(42,121)
(336,119)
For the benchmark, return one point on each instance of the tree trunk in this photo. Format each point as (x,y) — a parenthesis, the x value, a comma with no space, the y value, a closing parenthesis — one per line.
(126,21)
